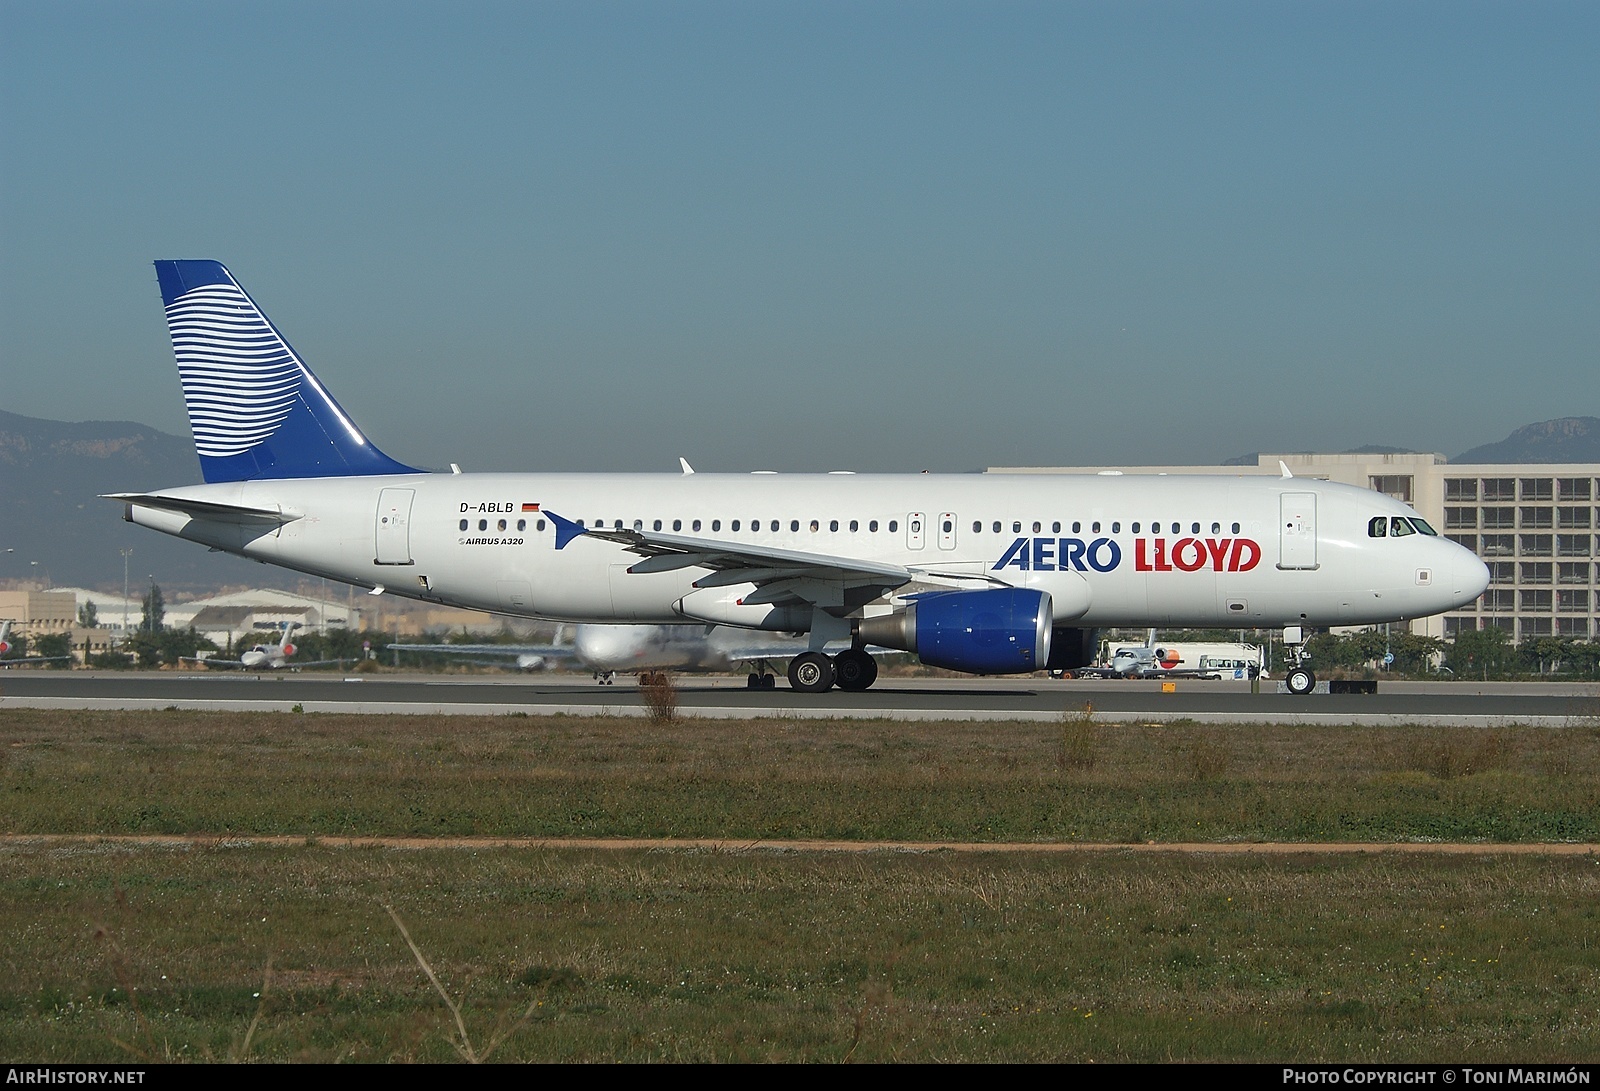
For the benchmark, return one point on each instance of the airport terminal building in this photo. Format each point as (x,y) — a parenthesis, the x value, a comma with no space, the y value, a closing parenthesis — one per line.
(1536,525)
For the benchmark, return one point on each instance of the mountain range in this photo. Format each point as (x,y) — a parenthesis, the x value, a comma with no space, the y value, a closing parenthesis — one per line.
(54,528)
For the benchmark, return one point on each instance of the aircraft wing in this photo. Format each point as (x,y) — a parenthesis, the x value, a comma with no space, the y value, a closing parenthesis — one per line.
(780,574)
(551,650)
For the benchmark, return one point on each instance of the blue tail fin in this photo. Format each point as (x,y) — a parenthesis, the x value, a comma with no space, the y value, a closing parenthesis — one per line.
(255,409)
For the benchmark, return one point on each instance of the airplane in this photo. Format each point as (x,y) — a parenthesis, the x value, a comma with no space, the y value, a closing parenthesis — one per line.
(980,573)
(265,657)
(643,649)
(1146,662)
(23,660)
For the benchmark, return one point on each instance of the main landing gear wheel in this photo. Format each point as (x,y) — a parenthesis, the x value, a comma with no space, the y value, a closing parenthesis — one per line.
(854,670)
(1300,681)
(811,672)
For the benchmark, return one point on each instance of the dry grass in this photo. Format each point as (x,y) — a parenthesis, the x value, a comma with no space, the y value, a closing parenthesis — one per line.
(635,956)
(311,775)
(660,695)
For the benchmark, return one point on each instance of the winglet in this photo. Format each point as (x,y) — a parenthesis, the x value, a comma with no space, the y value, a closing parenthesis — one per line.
(566,529)
(1284,466)
(687,469)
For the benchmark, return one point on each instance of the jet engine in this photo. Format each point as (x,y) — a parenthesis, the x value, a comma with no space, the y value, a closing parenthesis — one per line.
(1003,631)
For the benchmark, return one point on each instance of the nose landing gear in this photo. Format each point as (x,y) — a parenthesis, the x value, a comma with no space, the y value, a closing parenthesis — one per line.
(1299,679)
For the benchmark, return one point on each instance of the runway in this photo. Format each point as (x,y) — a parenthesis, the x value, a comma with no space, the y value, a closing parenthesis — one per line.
(1480,704)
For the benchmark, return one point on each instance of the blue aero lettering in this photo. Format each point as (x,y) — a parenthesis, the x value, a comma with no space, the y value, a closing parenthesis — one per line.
(1061,555)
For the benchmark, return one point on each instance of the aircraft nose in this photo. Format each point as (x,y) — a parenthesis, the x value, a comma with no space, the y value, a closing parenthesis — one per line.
(1469,576)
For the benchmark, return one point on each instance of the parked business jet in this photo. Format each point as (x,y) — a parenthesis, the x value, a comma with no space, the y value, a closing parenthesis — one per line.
(22,660)
(989,574)
(266,657)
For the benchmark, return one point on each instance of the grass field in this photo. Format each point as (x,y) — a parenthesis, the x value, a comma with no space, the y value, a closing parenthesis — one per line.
(119,952)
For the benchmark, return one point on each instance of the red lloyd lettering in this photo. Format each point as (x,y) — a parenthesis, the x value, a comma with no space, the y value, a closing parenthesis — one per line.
(1193,554)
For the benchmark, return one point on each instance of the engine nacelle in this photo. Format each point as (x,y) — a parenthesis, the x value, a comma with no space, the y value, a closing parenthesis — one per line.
(1072,648)
(1004,631)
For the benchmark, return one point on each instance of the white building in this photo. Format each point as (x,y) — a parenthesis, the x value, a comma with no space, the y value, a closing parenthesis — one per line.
(1537,527)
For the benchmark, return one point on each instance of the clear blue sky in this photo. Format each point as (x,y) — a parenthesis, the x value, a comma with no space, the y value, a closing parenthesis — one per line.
(822,235)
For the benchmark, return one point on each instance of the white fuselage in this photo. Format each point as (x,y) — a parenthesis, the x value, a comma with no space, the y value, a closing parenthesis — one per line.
(1111,550)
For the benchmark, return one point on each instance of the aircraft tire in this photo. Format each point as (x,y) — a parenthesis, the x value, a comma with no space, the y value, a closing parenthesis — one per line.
(769,681)
(1300,681)
(854,670)
(752,681)
(811,672)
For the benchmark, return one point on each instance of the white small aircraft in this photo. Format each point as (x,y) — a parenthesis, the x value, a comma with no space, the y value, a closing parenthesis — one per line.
(266,657)
(23,660)
(607,650)
(982,573)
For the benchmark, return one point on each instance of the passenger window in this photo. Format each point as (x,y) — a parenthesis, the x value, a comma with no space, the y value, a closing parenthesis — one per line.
(815,526)
(1095,529)
(695,525)
(977,527)
(522,524)
(948,526)
(1016,526)
(483,524)
(1236,528)
(677,524)
(1055,528)
(916,526)
(855,525)
(794,526)
(463,524)
(1216,528)
(1194,528)
(716,524)
(997,526)
(502,525)
(894,525)
(1037,526)
(1077,528)
(775,526)
(1135,528)
(734,526)
(540,525)
(1116,528)
(1399,528)
(655,526)
(833,524)
(873,526)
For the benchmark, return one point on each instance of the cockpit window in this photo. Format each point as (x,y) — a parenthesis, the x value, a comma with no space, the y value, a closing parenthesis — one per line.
(1378,528)
(1399,528)
(1422,525)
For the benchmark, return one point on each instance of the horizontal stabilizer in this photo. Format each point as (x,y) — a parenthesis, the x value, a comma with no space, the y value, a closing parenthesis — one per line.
(202,509)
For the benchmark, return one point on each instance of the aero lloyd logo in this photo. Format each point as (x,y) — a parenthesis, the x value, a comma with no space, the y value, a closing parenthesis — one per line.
(1149,555)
